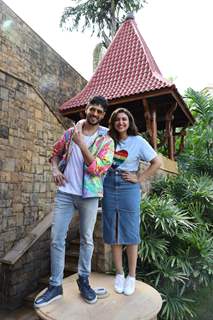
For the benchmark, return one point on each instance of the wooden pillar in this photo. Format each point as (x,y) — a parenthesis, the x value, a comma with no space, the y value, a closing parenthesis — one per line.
(151,122)
(147,116)
(169,131)
(174,141)
(182,135)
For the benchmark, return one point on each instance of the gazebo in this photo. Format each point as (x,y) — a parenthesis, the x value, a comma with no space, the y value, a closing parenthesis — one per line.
(128,76)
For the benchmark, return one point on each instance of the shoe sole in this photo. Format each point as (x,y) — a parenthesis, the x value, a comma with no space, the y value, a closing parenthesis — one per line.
(118,291)
(103,296)
(46,303)
(90,301)
(128,294)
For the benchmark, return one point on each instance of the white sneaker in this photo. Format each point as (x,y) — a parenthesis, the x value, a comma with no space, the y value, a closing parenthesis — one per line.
(119,283)
(129,285)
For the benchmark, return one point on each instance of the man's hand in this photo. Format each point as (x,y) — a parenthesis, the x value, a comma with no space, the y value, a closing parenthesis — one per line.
(130,176)
(77,135)
(58,177)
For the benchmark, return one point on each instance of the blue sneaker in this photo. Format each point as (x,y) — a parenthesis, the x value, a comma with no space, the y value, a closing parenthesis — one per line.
(87,293)
(51,294)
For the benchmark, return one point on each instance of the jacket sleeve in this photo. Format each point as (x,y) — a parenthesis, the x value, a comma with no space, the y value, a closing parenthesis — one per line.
(59,147)
(104,158)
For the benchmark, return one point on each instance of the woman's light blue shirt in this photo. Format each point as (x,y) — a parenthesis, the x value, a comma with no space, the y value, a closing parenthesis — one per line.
(138,149)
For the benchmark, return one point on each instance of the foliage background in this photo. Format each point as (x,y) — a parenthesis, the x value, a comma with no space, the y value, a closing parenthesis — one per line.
(176,251)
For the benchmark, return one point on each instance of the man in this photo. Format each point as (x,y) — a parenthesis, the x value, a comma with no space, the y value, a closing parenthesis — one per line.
(79,161)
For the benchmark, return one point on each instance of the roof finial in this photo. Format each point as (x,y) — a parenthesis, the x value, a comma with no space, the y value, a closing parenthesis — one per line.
(130,15)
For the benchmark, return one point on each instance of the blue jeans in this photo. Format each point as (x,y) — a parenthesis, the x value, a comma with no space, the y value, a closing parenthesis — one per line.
(65,205)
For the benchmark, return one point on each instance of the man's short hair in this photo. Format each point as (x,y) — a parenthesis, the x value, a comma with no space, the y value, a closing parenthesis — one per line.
(96,100)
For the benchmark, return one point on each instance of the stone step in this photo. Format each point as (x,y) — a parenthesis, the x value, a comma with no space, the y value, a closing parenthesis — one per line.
(44,281)
(75,242)
(71,266)
(29,299)
(73,245)
(72,253)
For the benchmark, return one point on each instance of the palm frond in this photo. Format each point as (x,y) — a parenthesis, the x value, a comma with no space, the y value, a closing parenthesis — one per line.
(175,306)
(152,248)
(164,215)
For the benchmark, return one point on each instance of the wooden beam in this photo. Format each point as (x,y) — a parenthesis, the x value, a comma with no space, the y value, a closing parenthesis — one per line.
(183,106)
(122,100)
(144,95)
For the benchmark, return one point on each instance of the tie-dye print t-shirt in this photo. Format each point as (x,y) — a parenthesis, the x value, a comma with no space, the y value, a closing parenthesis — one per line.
(130,151)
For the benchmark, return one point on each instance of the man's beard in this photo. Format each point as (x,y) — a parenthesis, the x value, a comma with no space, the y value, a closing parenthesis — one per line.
(93,123)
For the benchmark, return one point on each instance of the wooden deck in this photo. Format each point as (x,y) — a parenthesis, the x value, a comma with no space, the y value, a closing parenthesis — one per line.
(144,304)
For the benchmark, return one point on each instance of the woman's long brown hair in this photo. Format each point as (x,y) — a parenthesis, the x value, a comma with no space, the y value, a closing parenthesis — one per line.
(131,131)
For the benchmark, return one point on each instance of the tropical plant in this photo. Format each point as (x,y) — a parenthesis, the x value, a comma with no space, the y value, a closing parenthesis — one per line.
(200,136)
(176,252)
(176,307)
(198,153)
(102,17)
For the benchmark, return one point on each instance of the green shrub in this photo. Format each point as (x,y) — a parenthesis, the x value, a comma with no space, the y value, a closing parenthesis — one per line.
(176,251)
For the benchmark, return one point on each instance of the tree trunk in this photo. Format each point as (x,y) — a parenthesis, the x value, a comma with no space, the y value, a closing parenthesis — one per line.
(113,26)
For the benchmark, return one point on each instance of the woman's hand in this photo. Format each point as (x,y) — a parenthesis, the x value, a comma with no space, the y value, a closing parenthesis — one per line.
(130,176)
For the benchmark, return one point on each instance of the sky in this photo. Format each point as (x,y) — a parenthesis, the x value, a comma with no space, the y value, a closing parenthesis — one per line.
(178,33)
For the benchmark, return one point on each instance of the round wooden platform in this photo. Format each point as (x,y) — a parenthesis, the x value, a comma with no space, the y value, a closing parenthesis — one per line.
(144,304)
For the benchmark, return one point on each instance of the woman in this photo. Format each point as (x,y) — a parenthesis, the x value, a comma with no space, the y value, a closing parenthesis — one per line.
(121,201)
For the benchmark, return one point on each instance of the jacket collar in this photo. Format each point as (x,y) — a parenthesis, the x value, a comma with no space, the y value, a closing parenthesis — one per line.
(102,131)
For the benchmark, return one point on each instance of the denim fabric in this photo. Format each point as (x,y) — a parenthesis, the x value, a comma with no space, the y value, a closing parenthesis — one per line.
(121,210)
(65,205)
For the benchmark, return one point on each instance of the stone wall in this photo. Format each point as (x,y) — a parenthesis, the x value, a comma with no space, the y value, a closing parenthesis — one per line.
(27,132)
(34,81)
(27,56)
(22,278)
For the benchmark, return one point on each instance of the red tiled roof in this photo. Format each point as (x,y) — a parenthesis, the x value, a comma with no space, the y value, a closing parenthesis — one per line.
(127,68)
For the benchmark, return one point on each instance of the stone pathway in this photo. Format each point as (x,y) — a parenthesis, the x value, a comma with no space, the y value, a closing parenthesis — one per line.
(24,313)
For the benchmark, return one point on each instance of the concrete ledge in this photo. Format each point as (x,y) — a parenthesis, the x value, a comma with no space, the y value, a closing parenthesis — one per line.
(144,304)
(168,165)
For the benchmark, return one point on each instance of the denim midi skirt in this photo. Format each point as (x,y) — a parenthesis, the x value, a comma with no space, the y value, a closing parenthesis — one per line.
(121,210)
